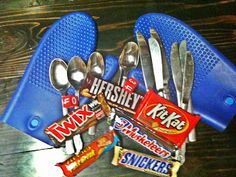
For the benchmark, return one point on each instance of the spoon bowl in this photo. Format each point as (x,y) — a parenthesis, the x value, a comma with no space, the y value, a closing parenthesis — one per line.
(128,59)
(76,72)
(58,76)
(95,65)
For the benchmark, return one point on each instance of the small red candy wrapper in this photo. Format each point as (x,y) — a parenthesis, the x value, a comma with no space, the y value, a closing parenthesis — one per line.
(70,101)
(130,85)
(89,155)
(165,118)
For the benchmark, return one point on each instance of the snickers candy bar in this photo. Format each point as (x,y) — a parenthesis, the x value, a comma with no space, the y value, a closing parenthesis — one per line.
(78,120)
(139,134)
(166,119)
(145,163)
(115,95)
(89,155)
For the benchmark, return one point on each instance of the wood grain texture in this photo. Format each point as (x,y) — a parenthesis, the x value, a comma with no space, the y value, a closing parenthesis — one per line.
(23,23)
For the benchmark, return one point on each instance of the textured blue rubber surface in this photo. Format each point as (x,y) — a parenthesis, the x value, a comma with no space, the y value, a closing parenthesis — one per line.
(214,90)
(35,104)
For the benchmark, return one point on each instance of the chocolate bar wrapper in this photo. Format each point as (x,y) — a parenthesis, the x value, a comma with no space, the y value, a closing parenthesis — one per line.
(78,120)
(89,155)
(165,118)
(145,163)
(115,95)
(140,134)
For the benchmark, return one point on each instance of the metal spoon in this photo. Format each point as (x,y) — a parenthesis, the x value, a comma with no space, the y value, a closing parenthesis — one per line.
(58,79)
(57,75)
(128,59)
(95,66)
(76,74)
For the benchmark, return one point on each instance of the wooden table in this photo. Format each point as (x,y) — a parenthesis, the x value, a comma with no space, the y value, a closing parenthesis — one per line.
(22,24)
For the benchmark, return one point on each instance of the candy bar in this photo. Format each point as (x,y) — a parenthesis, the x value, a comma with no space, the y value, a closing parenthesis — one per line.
(137,132)
(89,155)
(78,120)
(145,163)
(165,118)
(115,95)
(70,101)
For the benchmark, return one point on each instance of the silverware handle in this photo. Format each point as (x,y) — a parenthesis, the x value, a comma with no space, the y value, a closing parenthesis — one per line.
(166,92)
(124,78)
(192,135)
(69,149)
(184,106)
(120,79)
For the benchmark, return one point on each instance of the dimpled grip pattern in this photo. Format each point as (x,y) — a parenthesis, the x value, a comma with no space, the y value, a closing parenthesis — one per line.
(36,104)
(214,89)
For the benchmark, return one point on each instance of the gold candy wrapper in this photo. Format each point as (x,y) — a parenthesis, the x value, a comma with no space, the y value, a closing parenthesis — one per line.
(145,163)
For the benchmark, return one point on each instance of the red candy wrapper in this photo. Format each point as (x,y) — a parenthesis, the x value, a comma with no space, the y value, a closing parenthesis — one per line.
(130,85)
(89,155)
(165,118)
(70,101)
(78,120)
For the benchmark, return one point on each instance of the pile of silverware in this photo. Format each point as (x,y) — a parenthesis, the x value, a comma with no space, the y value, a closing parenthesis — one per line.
(63,76)
(156,76)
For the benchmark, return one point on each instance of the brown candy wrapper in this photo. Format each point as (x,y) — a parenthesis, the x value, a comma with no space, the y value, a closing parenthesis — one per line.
(89,155)
(115,95)
(145,163)
(78,120)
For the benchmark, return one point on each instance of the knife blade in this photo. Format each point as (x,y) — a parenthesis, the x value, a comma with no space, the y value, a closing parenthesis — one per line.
(146,62)
(165,67)
(176,70)
(187,80)
(156,58)
(182,53)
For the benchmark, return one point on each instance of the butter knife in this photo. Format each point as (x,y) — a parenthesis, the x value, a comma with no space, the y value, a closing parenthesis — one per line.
(176,71)
(156,58)
(165,67)
(146,62)
(182,54)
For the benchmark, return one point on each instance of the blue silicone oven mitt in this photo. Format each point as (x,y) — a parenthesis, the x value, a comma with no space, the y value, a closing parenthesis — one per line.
(214,89)
(36,104)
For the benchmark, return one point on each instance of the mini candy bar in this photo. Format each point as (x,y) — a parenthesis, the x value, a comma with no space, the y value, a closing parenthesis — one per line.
(136,131)
(115,95)
(165,118)
(70,101)
(130,84)
(89,155)
(78,120)
(145,163)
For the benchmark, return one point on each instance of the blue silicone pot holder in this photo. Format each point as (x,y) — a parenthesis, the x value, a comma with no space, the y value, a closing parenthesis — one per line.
(35,104)
(214,90)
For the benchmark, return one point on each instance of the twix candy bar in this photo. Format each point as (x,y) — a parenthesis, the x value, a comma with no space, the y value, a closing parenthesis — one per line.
(78,120)
(115,95)
(89,155)
(165,118)
(145,163)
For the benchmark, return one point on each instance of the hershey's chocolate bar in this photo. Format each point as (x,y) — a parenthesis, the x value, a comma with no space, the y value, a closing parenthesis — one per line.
(115,95)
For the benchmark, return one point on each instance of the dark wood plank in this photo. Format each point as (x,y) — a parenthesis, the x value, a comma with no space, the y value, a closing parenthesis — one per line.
(23,23)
